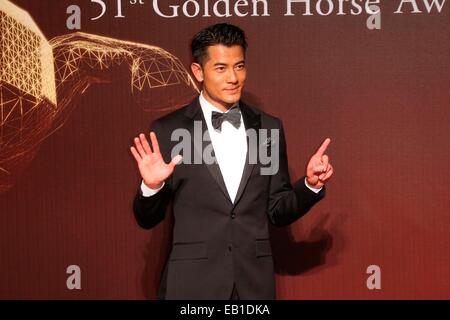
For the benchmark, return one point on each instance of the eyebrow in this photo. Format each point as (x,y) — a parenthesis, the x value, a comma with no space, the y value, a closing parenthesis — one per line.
(224,64)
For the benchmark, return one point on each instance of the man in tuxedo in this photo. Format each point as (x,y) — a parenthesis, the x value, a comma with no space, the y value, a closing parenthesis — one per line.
(221,208)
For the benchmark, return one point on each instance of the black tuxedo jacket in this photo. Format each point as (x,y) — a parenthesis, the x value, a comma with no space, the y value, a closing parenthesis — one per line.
(216,242)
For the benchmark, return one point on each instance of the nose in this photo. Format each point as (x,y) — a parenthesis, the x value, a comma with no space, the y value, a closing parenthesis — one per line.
(232,77)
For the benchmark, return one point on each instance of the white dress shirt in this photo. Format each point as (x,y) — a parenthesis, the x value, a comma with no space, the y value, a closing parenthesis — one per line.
(230,149)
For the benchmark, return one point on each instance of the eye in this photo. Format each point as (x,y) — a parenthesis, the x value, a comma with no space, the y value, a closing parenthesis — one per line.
(240,67)
(220,69)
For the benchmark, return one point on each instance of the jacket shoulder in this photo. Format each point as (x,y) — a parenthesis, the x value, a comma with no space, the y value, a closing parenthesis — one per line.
(171,117)
(266,118)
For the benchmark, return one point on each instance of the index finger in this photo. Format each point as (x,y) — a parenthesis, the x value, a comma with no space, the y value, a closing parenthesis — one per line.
(323,147)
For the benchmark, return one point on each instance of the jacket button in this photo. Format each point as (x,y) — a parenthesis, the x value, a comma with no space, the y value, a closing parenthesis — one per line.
(230,248)
(233,215)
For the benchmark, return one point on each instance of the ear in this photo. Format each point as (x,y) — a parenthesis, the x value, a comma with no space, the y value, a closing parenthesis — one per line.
(197,71)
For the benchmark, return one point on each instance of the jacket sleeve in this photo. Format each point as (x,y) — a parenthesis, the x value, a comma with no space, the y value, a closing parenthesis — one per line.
(150,211)
(287,202)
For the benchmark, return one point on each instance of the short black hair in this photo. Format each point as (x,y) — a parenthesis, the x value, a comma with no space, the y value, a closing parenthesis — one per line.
(221,33)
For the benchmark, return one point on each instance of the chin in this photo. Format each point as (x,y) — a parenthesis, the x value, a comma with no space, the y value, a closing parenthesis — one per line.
(233,99)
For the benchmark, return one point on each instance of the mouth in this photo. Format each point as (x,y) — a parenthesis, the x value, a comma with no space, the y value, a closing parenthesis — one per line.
(232,90)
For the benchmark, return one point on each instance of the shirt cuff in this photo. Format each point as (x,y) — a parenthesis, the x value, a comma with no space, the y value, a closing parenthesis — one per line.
(311,188)
(148,192)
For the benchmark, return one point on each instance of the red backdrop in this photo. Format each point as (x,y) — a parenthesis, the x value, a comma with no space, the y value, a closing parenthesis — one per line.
(382,96)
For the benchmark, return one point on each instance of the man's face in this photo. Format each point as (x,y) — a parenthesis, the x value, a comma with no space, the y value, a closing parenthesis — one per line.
(223,75)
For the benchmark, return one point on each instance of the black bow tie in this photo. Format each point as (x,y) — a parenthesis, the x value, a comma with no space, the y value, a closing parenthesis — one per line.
(233,116)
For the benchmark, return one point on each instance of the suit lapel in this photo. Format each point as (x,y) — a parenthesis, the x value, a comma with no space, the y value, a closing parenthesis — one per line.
(194,112)
(251,121)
